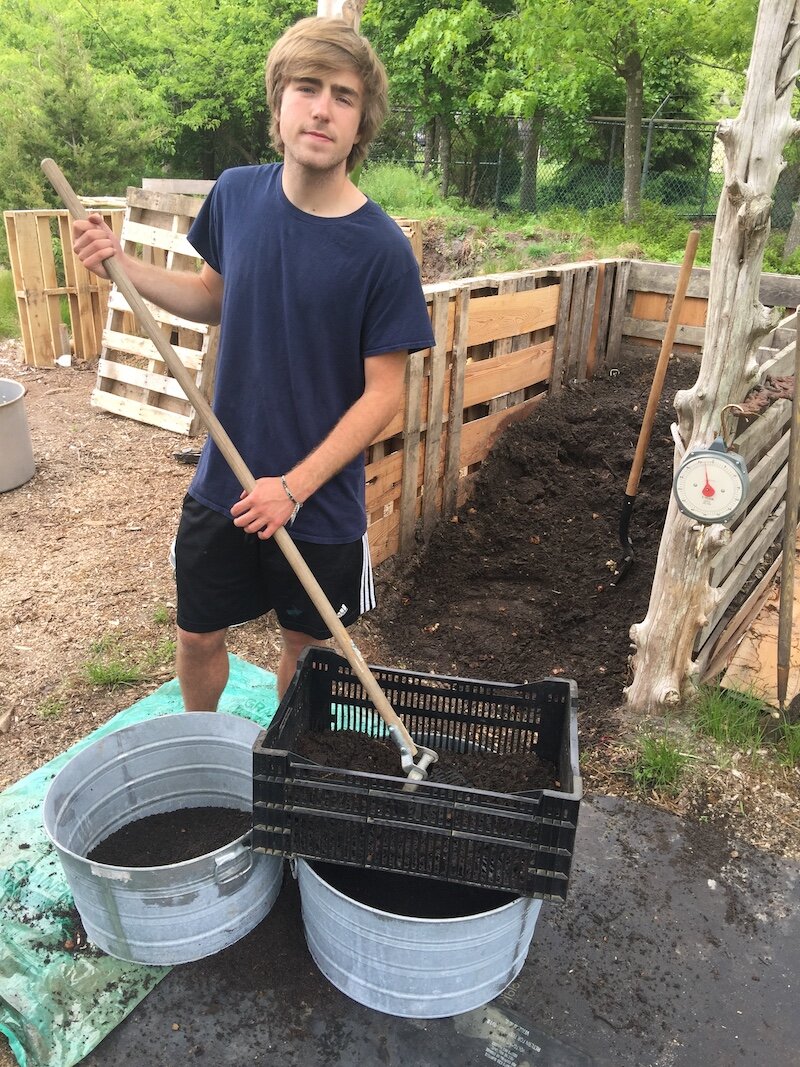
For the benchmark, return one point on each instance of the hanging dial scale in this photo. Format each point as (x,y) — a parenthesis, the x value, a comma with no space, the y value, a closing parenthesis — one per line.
(711,483)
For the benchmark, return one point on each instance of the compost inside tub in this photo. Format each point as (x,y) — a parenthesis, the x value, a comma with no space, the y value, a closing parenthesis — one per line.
(172,837)
(508,772)
(408,895)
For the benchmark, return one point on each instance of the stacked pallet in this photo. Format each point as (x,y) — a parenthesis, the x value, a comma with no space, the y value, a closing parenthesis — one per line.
(132,378)
(46,272)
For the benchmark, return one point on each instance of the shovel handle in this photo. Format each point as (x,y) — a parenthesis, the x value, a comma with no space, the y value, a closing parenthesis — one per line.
(119,277)
(661,365)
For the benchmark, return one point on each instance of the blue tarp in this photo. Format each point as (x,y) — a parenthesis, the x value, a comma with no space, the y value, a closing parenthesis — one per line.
(56,1004)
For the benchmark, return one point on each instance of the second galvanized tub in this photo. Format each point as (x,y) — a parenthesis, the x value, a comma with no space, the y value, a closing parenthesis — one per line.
(181,911)
(404,965)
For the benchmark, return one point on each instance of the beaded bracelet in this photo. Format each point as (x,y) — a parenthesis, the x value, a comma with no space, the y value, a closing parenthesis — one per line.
(293,498)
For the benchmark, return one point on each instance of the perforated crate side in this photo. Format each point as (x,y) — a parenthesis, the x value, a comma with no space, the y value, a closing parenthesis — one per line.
(517,841)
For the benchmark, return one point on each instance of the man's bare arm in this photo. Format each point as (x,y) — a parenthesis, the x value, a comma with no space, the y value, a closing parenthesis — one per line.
(196,297)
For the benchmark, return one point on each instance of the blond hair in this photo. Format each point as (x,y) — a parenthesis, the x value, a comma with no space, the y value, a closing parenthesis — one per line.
(316,46)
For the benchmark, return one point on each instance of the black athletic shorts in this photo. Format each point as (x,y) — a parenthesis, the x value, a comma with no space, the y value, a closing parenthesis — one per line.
(226,576)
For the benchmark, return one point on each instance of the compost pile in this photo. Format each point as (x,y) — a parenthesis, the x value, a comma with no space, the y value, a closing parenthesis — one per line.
(517,586)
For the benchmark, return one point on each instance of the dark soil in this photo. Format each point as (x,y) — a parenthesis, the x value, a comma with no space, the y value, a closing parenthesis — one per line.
(517,586)
(172,837)
(504,773)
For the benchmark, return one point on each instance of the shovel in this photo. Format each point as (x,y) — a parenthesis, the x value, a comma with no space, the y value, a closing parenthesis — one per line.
(399,734)
(652,406)
(789,542)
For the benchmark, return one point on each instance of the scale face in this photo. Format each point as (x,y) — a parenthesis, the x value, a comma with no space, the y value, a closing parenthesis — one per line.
(711,484)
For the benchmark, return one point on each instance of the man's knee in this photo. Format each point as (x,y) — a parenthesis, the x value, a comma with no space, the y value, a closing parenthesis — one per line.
(201,645)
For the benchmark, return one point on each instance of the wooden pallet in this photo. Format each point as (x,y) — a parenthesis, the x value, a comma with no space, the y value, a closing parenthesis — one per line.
(43,278)
(132,378)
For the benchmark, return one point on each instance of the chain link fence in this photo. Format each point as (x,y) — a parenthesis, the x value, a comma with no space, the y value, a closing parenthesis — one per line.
(515,165)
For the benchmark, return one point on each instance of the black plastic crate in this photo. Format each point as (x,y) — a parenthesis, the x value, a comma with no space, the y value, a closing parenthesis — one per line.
(522,842)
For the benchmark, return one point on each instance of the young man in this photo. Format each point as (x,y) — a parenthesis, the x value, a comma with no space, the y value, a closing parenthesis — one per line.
(319,301)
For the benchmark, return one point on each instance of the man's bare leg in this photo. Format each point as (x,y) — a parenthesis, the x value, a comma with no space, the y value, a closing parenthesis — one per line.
(202,664)
(293,645)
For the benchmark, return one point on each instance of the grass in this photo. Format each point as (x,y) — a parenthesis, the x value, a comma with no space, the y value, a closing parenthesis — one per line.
(53,707)
(659,235)
(659,764)
(112,664)
(9,320)
(731,719)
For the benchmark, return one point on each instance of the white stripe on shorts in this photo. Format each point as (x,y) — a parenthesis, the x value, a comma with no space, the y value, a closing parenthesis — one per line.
(367,595)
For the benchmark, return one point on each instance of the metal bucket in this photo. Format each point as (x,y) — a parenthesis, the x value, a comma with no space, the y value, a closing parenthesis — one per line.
(418,968)
(16,452)
(181,911)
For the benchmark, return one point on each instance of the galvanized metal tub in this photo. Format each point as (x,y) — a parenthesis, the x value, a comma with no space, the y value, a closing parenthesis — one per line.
(16,452)
(181,911)
(413,967)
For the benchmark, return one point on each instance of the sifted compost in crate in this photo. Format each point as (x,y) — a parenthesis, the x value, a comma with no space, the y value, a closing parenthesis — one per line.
(508,772)
(519,841)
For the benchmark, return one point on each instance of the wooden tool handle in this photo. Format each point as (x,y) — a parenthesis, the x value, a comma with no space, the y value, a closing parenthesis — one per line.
(661,364)
(119,277)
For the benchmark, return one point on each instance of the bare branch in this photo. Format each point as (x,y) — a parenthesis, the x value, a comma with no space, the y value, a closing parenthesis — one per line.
(787,83)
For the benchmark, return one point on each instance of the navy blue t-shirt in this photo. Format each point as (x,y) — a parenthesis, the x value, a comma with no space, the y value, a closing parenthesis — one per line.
(305,300)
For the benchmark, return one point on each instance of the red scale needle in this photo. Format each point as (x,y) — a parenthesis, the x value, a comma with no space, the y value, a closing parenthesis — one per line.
(708,488)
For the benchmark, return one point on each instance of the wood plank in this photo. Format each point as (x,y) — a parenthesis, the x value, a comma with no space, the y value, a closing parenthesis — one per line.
(165,202)
(117,302)
(505,374)
(478,437)
(618,310)
(494,317)
(132,409)
(148,380)
(588,324)
(720,647)
(409,496)
(156,237)
(433,433)
(775,290)
(609,272)
(561,338)
(763,432)
(9,218)
(455,396)
(743,569)
(654,331)
(725,559)
(383,480)
(754,668)
(143,348)
(42,351)
(575,324)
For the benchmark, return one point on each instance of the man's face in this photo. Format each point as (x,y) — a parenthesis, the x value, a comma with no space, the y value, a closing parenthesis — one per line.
(319,119)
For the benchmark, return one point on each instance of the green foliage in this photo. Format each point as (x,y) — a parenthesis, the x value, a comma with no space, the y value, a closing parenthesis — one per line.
(161,615)
(730,718)
(400,191)
(789,743)
(659,764)
(9,320)
(773,256)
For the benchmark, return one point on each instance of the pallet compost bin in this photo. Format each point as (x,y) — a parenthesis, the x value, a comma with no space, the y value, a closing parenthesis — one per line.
(519,842)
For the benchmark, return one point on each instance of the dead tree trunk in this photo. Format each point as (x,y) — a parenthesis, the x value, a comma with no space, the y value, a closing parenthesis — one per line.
(682,597)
